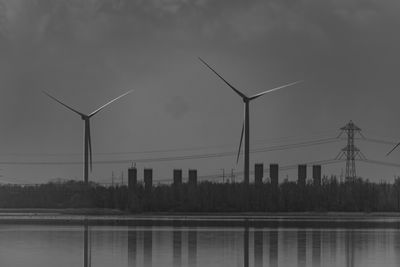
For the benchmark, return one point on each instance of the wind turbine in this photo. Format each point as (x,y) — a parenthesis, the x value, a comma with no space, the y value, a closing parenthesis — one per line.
(246,122)
(87,138)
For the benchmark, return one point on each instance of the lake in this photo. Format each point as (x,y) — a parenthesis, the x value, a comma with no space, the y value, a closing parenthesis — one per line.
(273,242)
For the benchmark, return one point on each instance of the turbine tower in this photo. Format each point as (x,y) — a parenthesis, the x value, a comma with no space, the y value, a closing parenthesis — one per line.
(87,138)
(246,122)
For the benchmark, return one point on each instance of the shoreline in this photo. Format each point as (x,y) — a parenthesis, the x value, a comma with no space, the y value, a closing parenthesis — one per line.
(333,220)
(115,212)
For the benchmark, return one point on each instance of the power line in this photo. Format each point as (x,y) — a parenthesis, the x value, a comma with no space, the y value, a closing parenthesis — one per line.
(319,162)
(178,158)
(378,141)
(277,140)
(383,163)
(295,145)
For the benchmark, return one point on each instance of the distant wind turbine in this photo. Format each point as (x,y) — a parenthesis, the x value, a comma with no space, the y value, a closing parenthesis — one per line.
(87,138)
(246,122)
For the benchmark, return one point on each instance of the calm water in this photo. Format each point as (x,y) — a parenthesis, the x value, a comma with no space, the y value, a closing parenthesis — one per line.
(44,245)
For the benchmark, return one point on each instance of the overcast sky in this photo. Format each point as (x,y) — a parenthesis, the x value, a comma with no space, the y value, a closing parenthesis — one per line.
(86,52)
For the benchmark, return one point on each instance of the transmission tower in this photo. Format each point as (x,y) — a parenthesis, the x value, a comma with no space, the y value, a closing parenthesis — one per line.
(350,151)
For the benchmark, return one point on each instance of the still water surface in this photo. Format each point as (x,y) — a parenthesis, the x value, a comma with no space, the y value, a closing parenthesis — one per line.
(98,246)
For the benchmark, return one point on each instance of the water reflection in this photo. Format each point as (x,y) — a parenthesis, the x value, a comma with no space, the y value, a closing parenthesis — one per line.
(301,248)
(148,248)
(246,246)
(273,248)
(332,245)
(396,241)
(349,248)
(316,248)
(132,250)
(192,248)
(62,246)
(258,248)
(177,247)
(86,246)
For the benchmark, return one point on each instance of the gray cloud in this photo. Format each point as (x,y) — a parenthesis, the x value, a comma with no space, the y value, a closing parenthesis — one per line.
(177,107)
(97,19)
(88,51)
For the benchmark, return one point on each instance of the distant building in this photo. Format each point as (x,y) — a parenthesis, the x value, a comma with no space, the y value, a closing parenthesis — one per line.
(132,178)
(148,179)
(317,175)
(274,174)
(192,177)
(302,175)
(177,177)
(258,173)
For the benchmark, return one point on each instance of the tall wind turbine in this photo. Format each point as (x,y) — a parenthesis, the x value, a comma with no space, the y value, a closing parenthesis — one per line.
(246,122)
(87,138)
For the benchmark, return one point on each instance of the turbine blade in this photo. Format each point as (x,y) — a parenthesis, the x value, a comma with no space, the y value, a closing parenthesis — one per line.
(392,149)
(231,86)
(65,105)
(108,103)
(274,89)
(240,145)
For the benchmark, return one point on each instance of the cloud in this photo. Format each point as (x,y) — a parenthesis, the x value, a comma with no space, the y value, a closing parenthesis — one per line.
(177,107)
(256,19)
(246,19)
(170,6)
(100,21)
(250,20)
(17,20)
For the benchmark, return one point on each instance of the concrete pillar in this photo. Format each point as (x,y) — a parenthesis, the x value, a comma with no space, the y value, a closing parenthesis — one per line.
(274,174)
(132,178)
(193,177)
(177,177)
(317,174)
(148,179)
(258,173)
(302,174)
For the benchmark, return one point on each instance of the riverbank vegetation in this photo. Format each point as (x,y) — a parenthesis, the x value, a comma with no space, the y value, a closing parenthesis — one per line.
(356,195)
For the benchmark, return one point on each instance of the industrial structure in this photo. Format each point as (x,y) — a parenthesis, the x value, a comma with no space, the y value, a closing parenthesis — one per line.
(274,174)
(317,175)
(349,154)
(258,173)
(132,178)
(192,177)
(302,174)
(177,177)
(350,151)
(148,180)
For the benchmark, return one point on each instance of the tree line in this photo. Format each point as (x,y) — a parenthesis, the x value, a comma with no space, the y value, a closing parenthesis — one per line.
(355,195)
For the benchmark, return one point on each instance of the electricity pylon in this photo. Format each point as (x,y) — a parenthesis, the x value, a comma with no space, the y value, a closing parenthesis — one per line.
(350,151)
